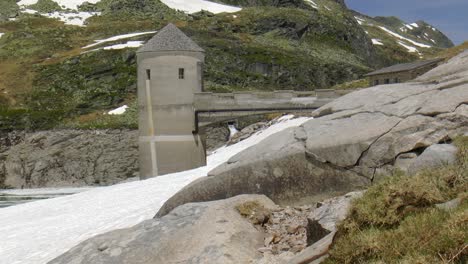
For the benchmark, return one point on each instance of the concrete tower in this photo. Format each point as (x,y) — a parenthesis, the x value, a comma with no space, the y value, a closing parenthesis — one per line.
(170,69)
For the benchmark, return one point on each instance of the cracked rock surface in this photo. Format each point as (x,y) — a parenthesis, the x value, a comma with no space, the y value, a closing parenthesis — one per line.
(67,158)
(196,233)
(351,142)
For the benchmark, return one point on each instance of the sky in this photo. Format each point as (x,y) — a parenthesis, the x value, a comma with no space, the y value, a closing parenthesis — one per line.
(449,16)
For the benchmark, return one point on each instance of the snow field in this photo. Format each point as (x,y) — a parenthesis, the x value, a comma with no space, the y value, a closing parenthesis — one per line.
(193,6)
(37,232)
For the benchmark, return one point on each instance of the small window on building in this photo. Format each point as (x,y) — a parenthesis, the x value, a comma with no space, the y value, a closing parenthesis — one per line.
(397,80)
(387,81)
(376,82)
(148,74)
(181,73)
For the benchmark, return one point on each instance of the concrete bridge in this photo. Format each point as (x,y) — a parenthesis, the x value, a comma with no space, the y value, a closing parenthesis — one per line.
(172,104)
(217,107)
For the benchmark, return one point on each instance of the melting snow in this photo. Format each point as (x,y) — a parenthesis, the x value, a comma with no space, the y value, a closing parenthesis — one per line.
(403,38)
(377,42)
(359,20)
(312,4)
(1,34)
(410,48)
(118,37)
(76,19)
(409,26)
(193,6)
(119,111)
(232,130)
(72,4)
(414,25)
(129,44)
(37,232)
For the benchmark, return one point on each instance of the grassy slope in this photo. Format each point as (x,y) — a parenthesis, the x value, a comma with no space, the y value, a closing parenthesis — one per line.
(396,221)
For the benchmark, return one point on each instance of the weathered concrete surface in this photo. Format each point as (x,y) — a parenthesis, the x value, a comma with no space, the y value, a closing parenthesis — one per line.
(212,232)
(352,140)
(68,158)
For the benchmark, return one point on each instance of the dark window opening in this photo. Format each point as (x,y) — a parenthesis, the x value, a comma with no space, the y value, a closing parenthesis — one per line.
(397,80)
(387,81)
(148,74)
(376,82)
(181,73)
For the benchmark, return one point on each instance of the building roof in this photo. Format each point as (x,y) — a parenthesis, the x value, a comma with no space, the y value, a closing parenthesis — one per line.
(404,67)
(170,38)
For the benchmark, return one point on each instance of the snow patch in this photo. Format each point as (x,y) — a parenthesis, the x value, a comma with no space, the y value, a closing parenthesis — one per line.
(48,228)
(409,26)
(414,25)
(409,48)
(193,6)
(359,20)
(403,38)
(118,37)
(76,19)
(312,4)
(326,7)
(377,42)
(72,4)
(1,34)
(129,44)
(119,111)
(232,131)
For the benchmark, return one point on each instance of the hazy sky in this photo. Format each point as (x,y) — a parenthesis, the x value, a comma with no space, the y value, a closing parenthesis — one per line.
(450,16)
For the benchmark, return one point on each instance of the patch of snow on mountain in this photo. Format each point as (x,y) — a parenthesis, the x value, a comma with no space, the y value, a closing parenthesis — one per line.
(29,11)
(119,111)
(40,231)
(72,4)
(409,48)
(312,4)
(403,38)
(1,34)
(409,26)
(377,42)
(129,44)
(359,20)
(118,37)
(76,19)
(414,25)
(193,6)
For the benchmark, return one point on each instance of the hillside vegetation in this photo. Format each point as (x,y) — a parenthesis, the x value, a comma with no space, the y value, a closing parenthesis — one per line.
(49,80)
(397,221)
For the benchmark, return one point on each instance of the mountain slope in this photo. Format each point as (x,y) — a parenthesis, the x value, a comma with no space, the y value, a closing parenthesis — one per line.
(50,78)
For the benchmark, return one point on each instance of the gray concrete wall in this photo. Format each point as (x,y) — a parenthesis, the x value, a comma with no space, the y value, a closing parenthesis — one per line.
(167,117)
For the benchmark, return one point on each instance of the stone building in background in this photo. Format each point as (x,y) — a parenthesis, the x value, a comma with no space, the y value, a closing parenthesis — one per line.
(401,72)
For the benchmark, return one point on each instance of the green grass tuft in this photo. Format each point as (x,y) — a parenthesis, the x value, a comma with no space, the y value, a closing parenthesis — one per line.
(396,221)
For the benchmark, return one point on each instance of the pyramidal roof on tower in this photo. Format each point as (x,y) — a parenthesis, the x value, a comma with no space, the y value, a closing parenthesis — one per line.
(170,38)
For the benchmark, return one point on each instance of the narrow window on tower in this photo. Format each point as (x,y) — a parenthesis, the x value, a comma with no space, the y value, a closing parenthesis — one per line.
(148,74)
(181,73)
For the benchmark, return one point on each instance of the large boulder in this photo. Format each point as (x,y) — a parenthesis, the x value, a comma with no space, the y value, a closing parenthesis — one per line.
(212,232)
(350,143)
(68,158)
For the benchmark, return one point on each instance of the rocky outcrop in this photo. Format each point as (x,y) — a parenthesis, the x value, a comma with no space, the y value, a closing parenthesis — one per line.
(351,142)
(68,158)
(213,232)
